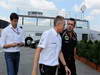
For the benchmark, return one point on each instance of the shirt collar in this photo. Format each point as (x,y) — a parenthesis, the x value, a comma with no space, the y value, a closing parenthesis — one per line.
(54,31)
(12,27)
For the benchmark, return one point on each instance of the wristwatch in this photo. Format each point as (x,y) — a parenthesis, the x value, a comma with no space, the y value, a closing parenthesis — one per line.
(65,65)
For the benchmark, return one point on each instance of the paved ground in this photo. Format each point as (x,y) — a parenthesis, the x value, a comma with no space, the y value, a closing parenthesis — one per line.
(26,64)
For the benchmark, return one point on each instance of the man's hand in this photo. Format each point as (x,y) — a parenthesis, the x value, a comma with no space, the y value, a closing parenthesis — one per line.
(10,45)
(64,63)
(36,60)
(34,72)
(67,70)
(21,44)
(13,44)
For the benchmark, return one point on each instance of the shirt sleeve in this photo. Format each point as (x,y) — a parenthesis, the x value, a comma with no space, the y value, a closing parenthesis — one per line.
(3,38)
(43,41)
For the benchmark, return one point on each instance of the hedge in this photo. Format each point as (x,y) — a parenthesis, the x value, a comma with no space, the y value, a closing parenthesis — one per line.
(89,50)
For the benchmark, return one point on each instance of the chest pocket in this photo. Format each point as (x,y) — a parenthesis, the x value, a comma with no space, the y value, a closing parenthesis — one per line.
(52,44)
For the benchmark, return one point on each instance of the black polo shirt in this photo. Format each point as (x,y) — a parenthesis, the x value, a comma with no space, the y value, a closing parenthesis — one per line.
(68,43)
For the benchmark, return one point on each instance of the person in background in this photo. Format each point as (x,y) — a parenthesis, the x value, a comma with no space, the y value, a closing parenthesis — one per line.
(11,40)
(69,42)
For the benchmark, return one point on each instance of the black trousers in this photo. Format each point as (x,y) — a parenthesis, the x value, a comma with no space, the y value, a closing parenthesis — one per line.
(71,65)
(47,70)
(12,62)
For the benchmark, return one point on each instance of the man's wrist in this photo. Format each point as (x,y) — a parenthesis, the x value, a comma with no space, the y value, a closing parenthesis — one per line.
(64,65)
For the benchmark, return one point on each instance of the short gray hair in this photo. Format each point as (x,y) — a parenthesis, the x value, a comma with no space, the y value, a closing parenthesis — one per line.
(58,20)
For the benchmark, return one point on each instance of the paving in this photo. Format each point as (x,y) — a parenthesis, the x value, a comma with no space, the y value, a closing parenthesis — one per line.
(25,67)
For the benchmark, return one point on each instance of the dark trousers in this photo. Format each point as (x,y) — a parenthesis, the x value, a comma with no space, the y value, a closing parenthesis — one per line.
(12,62)
(47,70)
(71,65)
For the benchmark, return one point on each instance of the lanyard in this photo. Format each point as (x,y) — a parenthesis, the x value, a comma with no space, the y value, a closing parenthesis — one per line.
(17,32)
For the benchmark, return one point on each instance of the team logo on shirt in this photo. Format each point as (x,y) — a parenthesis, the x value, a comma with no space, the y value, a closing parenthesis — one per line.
(66,37)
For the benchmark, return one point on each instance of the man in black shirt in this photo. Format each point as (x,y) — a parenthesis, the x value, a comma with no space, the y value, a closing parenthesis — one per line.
(69,42)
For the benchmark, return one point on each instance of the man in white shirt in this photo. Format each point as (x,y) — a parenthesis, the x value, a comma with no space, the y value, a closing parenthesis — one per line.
(49,50)
(11,40)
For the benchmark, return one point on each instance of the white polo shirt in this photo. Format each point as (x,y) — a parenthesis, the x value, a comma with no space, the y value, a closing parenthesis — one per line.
(51,43)
(9,36)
